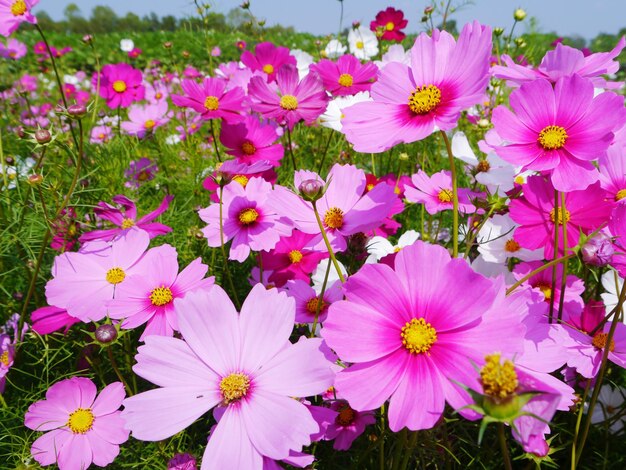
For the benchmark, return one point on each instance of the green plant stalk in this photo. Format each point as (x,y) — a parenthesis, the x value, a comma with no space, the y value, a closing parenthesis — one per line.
(293,158)
(504,448)
(118,372)
(455,198)
(320,300)
(217,150)
(400,444)
(557,218)
(565,261)
(579,419)
(331,253)
(537,271)
(409,450)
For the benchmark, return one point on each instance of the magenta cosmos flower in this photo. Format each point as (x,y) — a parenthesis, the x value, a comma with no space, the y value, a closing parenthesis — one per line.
(344,208)
(148,295)
(125,217)
(143,120)
(15,12)
(140,171)
(243,363)
(81,428)
(249,218)
(290,100)
(308,300)
(413,331)
(252,141)
(268,59)
(388,25)
(435,192)
(120,85)
(211,99)
(14,49)
(83,282)
(585,211)
(347,76)
(559,130)
(613,173)
(410,103)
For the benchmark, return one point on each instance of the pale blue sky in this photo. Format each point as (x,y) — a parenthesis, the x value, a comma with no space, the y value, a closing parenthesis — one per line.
(586,18)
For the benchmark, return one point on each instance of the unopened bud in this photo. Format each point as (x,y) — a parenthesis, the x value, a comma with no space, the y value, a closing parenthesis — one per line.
(77,110)
(498,31)
(167,44)
(43,136)
(106,334)
(311,190)
(598,250)
(186,54)
(87,38)
(428,10)
(35,180)
(356,24)
(519,14)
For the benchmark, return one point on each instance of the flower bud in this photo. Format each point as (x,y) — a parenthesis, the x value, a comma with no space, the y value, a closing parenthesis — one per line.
(498,31)
(356,24)
(77,110)
(43,136)
(186,54)
(311,190)
(35,180)
(483,123)
(519,15)
(428,10)
(106,334)
(87,38)
(598,250)
(167,44)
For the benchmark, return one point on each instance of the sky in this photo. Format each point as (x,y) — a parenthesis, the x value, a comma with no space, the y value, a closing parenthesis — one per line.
(586,18)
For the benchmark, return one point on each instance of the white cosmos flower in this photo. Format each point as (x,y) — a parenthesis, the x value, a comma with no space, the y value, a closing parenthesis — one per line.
(363,43)
(127,45)
(334,111)
(612,289)
(303,59)
(492,270)
(496,241)
(379,247)
(334,49)
(395,53)
(610,402)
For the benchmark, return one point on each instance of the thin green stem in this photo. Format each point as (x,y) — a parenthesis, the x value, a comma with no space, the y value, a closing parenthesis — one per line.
(504,447)
(579,419)
(409,451)
(400,444)
(214,136)
(293,158)
(118,372)
(455,198)
(537,271)
(320,300)
(224,256)
(331,253)
(557,218)
(563,219)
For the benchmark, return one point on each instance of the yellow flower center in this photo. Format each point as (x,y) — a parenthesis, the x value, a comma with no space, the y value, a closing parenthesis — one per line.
(80,421)
(149,124)
(445,195)
(18,8)
(346,415)
(160,296)
(345,79)
(546,290)
(211,103)
(234,387)
(552,137)
(397,249)
(560,215)
(289,102)
(333,218)
(519,180)
(511,246)
(483,166)
(424,99)
(4,359)
(313,304)
(128,223)
(268,69)
(119,86)
(241,179)
(158,95)
(621,194)
(248,216)
(389,26)
(418,336)
(370,186)
(295,256)
(499,379)
(115,275)
(600,339)
(359,44)
(248,148)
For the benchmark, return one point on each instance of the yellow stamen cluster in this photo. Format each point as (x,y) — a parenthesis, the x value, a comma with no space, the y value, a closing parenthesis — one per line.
(346,415)
(241,179)
(115,275)
(600,339)
(80,421)
(268,69)
(418,336)
(248,148)
(621,194)
(345,79)
(4,358)
(234,387)
(128,223)
(211,103)
(160,296)
(445,195)
(389,26)
(313,304)
(19,8)
(559,214)
(511,246)
(295,256)
(288,102)
(359,45)
(248,216)
(552,137)
(499,379)
(546,290)
(424,99)
(333,218)
(483,166)
(149,124)
(119,86)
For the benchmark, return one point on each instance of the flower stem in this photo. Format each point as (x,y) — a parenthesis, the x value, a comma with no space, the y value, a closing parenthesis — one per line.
(565,261)
(224,257)
(320,300)
(455,198)
(557,218)
(117,371)
(503,447)
(578,423)
(331,253)
(214,136)
(537,271)
(293,159)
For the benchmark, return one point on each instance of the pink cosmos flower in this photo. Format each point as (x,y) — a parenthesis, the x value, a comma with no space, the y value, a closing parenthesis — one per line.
(140,171)
(564,61)
(182,462)
(65,229)
(347,425)
(157,91)
(211,99)
(413,331)
(559,130)
(292,258)
(409,103)
(232,170)
(7,355)
(249,218)
(149,293)
(344,208)
(613,173)
(347,76)
(242,362)
(14,49)
(308,300)
(100,134)
(83,282)
(435,192)
(46,320)
(120,85)
(290,100)
(535,213)
(81,428)
(617,228)
(388,25)
(15,12)
(268,58)
(125,217)
(252,141)
(144,120)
